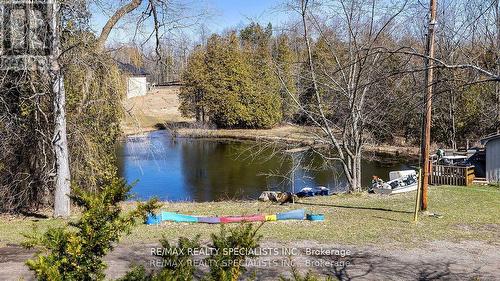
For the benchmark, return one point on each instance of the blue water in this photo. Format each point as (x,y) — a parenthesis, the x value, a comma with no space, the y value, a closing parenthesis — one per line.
(185,169)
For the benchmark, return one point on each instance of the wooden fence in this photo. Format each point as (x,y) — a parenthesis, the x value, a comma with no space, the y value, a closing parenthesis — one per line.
(451,175)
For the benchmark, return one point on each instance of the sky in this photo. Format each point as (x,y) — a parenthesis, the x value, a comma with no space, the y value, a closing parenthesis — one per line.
(224,14)
(239,12)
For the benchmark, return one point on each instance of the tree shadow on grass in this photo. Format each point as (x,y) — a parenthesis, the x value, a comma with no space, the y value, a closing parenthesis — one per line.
(360,264)
(34,215)
(354,207)
(390,219)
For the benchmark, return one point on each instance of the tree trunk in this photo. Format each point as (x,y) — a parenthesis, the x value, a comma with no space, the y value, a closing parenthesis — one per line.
(198,114)
(197,106)
(358,172)
(60,140)
(354,175)
(60,143)
(353,172)
(453,137)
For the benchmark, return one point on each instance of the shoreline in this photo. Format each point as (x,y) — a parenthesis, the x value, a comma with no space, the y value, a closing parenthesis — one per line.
(290,135)
(159,109)
(126,132)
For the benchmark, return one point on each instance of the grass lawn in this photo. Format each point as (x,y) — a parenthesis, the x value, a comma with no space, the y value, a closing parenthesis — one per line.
(468,213)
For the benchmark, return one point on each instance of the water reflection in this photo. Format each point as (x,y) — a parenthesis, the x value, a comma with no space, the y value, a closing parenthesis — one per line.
(208,170)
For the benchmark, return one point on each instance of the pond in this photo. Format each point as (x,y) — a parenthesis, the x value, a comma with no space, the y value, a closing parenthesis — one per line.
(183,169)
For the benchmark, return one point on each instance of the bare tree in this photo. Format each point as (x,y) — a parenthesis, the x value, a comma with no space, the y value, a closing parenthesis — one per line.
(346,82)
(152,19)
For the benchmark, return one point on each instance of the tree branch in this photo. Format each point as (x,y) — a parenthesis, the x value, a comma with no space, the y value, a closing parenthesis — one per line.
(106,30)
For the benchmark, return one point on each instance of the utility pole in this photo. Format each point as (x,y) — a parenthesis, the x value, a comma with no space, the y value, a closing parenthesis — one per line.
(426,143)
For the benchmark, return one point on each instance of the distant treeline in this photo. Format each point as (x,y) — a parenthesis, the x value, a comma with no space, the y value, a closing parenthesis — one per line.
(252,78)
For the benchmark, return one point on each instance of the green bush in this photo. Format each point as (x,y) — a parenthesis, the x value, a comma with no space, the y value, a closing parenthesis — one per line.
(137,273)
(228,265)
(296,276)
(224,264)
(179,265)
(175,266)
(76,251)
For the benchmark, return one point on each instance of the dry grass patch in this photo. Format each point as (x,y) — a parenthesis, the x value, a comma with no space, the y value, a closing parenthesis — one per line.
(158,106)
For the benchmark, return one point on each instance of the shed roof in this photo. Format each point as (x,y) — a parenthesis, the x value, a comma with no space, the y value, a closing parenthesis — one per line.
(490,137)
(132,69)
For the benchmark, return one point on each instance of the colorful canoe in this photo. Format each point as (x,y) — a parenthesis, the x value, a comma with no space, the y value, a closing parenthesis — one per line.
(271,218)
(299,214)
(211,220)
(292,215)
(243,218)
(315,217)
(175,217)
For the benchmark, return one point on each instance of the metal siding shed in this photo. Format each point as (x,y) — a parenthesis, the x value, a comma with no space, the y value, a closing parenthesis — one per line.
(492,144)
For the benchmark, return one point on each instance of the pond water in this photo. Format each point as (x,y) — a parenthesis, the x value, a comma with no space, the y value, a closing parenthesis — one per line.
(183,169)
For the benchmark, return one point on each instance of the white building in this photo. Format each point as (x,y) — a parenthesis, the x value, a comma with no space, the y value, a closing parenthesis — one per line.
(137,84)
(492,144)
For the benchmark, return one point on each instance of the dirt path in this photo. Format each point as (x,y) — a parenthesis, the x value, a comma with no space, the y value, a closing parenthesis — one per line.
(158,106)
(440,260)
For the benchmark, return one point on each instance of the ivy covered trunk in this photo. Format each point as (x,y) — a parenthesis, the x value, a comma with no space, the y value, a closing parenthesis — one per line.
(60,143)
(60,140)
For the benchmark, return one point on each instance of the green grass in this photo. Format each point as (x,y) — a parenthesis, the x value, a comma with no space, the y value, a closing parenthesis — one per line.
(468,213)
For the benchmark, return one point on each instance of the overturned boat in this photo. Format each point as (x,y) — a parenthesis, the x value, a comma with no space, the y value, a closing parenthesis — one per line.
(399,182)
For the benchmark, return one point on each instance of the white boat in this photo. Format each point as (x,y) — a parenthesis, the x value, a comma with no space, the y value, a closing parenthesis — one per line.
(399,182)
